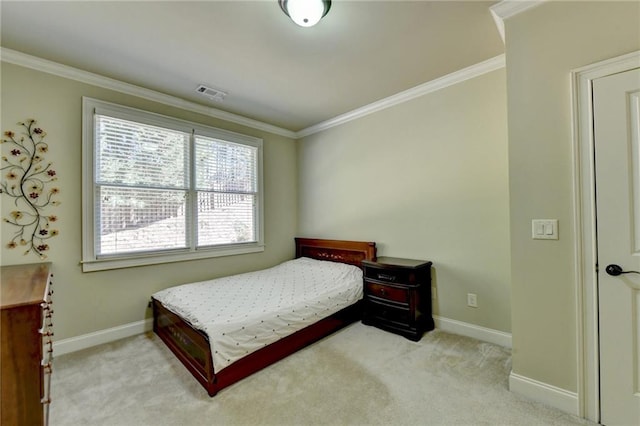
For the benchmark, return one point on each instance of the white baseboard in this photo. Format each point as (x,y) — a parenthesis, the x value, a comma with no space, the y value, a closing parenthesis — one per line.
(111,334)
(547,394)
(470,330)
(85,341)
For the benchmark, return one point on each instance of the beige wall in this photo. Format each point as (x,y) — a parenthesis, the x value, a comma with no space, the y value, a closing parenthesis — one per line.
(426,179)
(543,46)
(88,302)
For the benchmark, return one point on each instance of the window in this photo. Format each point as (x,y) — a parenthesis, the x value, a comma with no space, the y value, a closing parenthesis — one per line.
(158,189)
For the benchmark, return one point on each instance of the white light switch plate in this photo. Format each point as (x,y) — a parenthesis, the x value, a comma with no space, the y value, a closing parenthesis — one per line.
(544,229)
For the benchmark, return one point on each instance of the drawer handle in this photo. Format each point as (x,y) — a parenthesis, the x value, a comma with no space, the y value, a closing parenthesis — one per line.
(383,292)
(387,277)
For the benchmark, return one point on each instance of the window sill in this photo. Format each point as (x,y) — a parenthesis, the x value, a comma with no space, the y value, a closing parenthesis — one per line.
(143,260)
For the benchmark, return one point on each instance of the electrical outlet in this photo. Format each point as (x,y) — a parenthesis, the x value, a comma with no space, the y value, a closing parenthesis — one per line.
(472,300)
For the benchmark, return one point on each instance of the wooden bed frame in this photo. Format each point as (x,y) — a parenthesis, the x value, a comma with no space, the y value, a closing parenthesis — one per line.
(191,346)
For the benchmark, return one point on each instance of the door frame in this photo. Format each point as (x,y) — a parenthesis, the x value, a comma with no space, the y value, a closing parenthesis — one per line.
(584,209)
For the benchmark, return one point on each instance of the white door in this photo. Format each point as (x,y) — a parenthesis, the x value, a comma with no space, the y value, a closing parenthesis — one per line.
(616,109)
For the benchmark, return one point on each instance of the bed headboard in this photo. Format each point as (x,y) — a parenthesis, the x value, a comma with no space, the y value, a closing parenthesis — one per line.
(351,252)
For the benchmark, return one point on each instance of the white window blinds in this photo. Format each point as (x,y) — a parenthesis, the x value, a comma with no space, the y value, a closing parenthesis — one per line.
(142,185)
(226,188)
(161,185)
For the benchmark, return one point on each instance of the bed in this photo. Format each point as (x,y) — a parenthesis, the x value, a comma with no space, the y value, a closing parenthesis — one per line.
(190,343)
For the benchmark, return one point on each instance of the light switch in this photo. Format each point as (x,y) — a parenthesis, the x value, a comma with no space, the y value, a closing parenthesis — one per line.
(538,228)
(544,229)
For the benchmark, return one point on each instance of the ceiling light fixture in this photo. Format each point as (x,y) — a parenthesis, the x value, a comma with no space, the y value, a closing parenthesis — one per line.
(305,13)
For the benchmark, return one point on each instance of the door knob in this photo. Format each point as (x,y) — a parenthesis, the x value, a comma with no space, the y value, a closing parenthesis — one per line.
(615,270)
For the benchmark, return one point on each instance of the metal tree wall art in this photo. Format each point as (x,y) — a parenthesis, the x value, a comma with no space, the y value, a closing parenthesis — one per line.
(27,179)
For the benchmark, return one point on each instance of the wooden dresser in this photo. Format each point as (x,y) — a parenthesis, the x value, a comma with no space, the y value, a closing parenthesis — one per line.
(27,348)
(397,296)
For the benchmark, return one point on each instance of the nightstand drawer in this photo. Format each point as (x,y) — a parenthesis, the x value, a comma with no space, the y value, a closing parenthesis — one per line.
(397,295)
(388,275)
(387,292)
(382,311)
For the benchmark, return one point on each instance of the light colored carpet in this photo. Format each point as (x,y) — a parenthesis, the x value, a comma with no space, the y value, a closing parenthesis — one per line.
(358,376)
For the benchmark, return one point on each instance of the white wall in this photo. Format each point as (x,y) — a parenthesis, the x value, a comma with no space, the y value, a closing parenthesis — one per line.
(426,179)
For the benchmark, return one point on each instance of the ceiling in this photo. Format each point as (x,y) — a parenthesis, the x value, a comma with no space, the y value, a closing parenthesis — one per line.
(273,71)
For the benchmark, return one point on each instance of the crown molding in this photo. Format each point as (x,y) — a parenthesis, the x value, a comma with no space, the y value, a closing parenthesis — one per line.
(60,70)
(407,95)
(508,8)
(54,68)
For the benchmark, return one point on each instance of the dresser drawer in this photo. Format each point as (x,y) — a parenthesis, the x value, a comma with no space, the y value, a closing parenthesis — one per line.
(388,275)
(46,331)
(381,291)
(385,312)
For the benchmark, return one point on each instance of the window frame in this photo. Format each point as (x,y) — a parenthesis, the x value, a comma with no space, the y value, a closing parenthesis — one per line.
(90,260)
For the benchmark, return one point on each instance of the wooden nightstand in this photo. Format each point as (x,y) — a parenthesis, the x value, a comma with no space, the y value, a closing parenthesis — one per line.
(397,296)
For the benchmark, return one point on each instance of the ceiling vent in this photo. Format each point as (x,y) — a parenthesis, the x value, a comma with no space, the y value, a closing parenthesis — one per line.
(211,93)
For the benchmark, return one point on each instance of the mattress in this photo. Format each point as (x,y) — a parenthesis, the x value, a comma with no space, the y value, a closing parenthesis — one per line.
(243,313)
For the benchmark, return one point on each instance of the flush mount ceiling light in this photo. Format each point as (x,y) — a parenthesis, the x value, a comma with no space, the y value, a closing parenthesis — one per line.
(305,13)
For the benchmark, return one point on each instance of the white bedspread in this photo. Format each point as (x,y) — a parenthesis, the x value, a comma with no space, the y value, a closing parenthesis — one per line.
(243,313)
